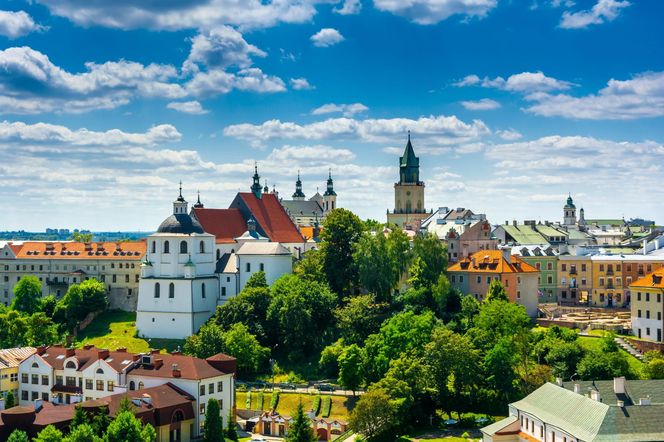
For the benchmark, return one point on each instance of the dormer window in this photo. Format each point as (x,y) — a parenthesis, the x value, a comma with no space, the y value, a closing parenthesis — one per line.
(99,371)
(35,365)
(71,365)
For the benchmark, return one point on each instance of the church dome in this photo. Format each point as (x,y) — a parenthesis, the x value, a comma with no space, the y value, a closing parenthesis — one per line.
(180,223)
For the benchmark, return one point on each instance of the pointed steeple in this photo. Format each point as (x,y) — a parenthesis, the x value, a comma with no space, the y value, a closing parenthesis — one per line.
(199,204)
(256,186)
(409,165)
(330,184)
(266,189)
(180,205)
(298,188)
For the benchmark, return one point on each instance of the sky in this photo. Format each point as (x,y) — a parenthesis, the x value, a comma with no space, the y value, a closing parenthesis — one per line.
(511,105)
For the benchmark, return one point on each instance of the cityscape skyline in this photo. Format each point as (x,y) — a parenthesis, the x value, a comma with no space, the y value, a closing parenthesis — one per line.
(511,106)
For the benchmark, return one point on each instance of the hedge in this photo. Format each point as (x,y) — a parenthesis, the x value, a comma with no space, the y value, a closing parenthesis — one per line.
(327,406)
(261,398)
(247,402)
(274,402)
(316,405)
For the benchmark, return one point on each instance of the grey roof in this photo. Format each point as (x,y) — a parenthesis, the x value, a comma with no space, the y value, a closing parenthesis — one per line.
(227,263)
(306,207)
(180,223)
(262,248)
(499,425)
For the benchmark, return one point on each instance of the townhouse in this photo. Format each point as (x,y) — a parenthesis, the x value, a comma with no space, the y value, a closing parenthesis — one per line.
(10,359)
(545,260)
(647,306)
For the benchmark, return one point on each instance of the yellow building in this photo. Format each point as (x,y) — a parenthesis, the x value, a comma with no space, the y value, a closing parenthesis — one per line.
(9,360)
(647,306)
(574,279)
(612,276)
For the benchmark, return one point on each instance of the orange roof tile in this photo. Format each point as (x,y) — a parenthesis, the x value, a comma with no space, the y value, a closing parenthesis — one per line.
(128,250)
(491,261)
(270,216)
(651,280)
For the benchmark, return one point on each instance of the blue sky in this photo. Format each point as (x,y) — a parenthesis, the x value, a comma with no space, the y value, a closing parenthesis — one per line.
(511,105)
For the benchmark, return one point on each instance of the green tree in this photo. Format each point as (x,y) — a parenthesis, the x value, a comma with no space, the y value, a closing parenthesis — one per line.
(208,341)
(497,319)
(564,357)
(213,427)
(256,280)
(93,296)
(83,433)
(499,363)
(312,266)
(401,254)
(49,434)
(374,416)
(654,369)
(329,358)
(27,295)
(41,330)
(360,317)
(496,291)
(250,308)
(10,401)
(231,428)
(80,417)
(18,436)
(245,348)
(81,237)
(48,304)
(127,428)
(125,405)
(350,367)
(376,268)
(432,254)
(101,420)
(601,365)
(13,329)
(341,231)
(300,427)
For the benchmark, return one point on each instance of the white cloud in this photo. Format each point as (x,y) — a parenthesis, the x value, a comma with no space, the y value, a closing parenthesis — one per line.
(220,47)
(188,107)
(347,110)
(509,134)
(436,129)
(14,24)
(639,97)
(310,155)
(349,7)
(178,15)
(300,84)
(326,37)
(525,82)
(603,11)
(483,104)
(428,12)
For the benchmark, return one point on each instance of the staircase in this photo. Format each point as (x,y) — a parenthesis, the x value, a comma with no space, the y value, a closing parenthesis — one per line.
(629,348)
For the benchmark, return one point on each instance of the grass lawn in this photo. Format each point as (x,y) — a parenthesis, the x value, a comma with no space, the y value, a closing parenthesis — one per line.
(288,403)
(115,328)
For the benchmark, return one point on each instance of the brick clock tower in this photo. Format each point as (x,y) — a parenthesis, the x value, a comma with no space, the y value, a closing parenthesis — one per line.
(409,208)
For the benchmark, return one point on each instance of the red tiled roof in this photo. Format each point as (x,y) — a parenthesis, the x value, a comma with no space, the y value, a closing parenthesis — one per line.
(272,217)
(54,357)
(129,250)
(188,366)
(652,280)
(224,224)
(491,261)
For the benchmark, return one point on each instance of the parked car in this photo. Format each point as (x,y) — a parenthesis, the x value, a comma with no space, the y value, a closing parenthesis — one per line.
(325,387)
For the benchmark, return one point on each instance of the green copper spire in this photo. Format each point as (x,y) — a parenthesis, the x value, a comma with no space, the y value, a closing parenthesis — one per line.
(330,185)
(298,187)
(570,203)
(256,186)
(409,165)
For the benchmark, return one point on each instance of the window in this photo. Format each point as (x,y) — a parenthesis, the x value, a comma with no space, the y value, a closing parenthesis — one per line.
(648,315)
(549,279)
(220,386)
(126,278)
(647,297)
(24,395)
(223,291)
(563,267)
(140,385)
(659,316)
(601,267)
(99,371)
(115,278)
(45,397)
(70,364)
(647,331)
(44,379)
(156,290)
(202,390)
(638,313)
(109,386)
(88,384)
(601,282)
(538,266)
(638,296)
(488,280)
(211,388)
(100,385)
(201,409)
(58,380)
(201,247)
(203,290)
(13,377)
(24,378)
(218,254)
(659,297)
(518,294)
(583,281)
(166,247)
(248,267)
(479,279)
(261,267)
(549,266)
(136,278)
(183,246)
(35,379)
(171,290)
(154,246)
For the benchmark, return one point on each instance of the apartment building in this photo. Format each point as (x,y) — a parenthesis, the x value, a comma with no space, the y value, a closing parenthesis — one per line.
(545,260)
(57,265)
(10,359)
(647,306)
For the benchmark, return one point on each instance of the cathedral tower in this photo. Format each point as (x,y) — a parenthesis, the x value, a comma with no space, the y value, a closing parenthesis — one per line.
(330,196)
(408,191)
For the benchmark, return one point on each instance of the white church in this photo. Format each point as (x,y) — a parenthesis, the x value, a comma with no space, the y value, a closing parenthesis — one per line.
(182,282)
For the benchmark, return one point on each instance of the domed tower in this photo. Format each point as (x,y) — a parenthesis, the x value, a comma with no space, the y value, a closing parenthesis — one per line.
(298,195)
(256,188)
(569,212)
(330,196)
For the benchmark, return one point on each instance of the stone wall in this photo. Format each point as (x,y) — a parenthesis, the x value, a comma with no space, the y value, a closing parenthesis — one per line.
(120,299)
(645,346)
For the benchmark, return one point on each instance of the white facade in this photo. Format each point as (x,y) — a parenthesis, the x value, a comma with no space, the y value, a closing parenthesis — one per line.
(272,258)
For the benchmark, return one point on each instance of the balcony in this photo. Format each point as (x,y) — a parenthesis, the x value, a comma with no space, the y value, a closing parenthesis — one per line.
(572,271)
(609,272)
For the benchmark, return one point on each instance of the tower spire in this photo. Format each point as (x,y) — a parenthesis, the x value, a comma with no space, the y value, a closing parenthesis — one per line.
(256,186)
(298,195)
(199,204)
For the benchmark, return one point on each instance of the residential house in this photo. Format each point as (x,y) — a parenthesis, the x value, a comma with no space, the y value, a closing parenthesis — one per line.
(10,358)
(647,306)
(545,260)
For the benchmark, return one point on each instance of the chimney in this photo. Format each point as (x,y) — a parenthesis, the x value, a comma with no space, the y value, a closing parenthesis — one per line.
(644,400)
(577,388)
(507,223)
(176,352)
(154,351)
(619,385)
(88,346)
(121,350)
(41,350)
(620,403)
(176,371)
(102,354)
(514,223)
(158,363)
(559,382)
(594,395)
(70,352)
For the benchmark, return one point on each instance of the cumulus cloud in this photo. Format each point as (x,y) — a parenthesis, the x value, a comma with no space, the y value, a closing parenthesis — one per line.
(509,134)
(524,82)
(603,11)
(436,129)
(483,104)
(310,155)
(300,84)
(326,37)
(349,7)
(220,47)
(639,97)
(188,107)
(178,15)
(347,110)
(14,24)
(428,12)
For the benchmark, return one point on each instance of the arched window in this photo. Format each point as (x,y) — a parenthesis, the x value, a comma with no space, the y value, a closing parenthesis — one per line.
(183,246)
(140,385)
(203,290)
(218,253)
(35,365)
(132,385)
(154,246)
(201,246)
(178,416)
(166,247)
(156,290)
(70,364)
(171,290)
(99,371)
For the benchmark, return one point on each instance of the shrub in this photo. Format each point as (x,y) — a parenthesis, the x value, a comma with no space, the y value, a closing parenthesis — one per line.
(261,399)
(316,405)
(274,402)
(327,405)
(247,402)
